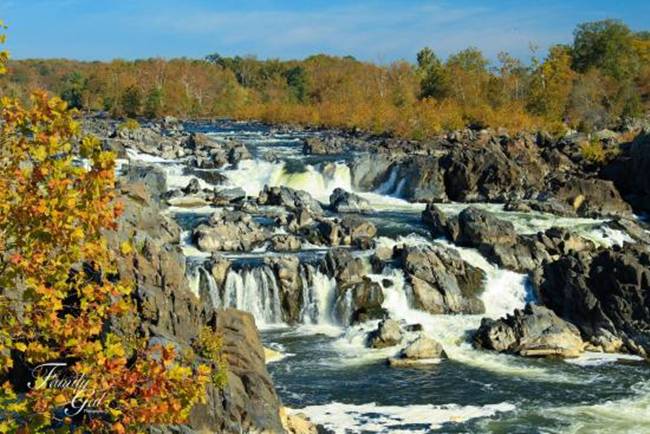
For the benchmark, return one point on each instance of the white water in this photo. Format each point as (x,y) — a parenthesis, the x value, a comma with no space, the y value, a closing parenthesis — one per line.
(349,418)
(254,291)
(253,175)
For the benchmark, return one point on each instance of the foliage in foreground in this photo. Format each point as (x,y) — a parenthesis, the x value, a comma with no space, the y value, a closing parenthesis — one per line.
(58,289)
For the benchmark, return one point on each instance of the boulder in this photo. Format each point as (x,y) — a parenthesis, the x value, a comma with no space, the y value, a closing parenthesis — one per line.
(228,196)
(285,243)
(441,281)
(348,231)
(438,222)
(229,231)
(294,200)
(422,350)
(387,334)
(606,294)
(359,302)
(343,202)
(535,331)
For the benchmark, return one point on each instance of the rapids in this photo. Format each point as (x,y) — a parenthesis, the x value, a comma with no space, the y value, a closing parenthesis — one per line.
(328,373)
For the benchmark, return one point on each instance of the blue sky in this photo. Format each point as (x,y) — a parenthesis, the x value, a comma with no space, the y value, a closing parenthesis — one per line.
(375,30)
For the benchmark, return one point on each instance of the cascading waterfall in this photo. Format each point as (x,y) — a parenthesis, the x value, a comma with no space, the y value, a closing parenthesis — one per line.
(318,300)
(255,291)
(253,175)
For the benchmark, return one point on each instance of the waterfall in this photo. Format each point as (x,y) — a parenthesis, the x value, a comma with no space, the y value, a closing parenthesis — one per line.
(390,184)
(318,300)
(255,291)
(203,285)
(253,175)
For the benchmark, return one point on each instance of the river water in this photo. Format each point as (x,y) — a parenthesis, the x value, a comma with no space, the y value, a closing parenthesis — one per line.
(327,373)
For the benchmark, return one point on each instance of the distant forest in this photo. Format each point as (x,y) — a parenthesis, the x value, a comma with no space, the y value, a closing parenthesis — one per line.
(601,80)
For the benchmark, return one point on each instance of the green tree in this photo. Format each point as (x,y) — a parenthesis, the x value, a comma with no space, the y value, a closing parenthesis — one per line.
(131,101)
(434,78)
(297,81)
(153,105)
(607,45)
(74,87)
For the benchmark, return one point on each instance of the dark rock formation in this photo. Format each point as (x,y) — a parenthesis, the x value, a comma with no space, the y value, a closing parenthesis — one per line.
(294,200)
(387,334)
(229,231)
(606,295)
(441,281)
(533,332)
(343,202)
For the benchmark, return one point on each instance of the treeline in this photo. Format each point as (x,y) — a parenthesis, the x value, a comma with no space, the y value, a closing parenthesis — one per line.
(600,80)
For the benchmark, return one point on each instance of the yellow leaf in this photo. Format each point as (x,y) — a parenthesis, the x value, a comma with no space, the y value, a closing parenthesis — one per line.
(126,248)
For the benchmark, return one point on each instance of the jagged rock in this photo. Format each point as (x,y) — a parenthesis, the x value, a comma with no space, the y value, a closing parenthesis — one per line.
(423,350)
(323,145)
(535,331)
(192,187)
(387,334)
(228,196)
(359,302)
(285,243)
(439,223)
(168,312)
(478,227)
(441,281)
(291,280)
(550,206)
(237,152)
(347,231)
(593,198)
(219,267)
(229,231)
(345,268)
(343,202)
(294,200)
(606,294)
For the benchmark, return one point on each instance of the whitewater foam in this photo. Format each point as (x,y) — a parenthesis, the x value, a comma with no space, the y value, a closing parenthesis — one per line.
(350,418)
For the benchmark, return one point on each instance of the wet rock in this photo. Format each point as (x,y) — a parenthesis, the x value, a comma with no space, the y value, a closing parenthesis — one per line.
(292,280)
(478,227)
(343,202)
(606,294)
(294,200)
(550,206)
(345,268)
(441,281)
(237,152)
(423,350)
(193,187)
(324,145)
(535,331)
(359,302)
(285,243)
(228,196)
(593,198)
(387,334)
(439,223)
(347,231)
(229,231)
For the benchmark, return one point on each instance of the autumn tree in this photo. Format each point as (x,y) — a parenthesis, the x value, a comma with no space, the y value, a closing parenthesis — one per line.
(131,101)
(551,83)
(59,287)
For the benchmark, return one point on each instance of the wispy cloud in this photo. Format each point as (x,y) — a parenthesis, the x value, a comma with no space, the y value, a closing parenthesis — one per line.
(368,29)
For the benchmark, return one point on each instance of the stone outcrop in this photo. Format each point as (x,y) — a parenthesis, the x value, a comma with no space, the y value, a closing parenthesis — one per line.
(422,350)
(441,281)
(605,294)
(229,231)
(387,334)
(294,200)
(535,331)
(343,202)
(168,312)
